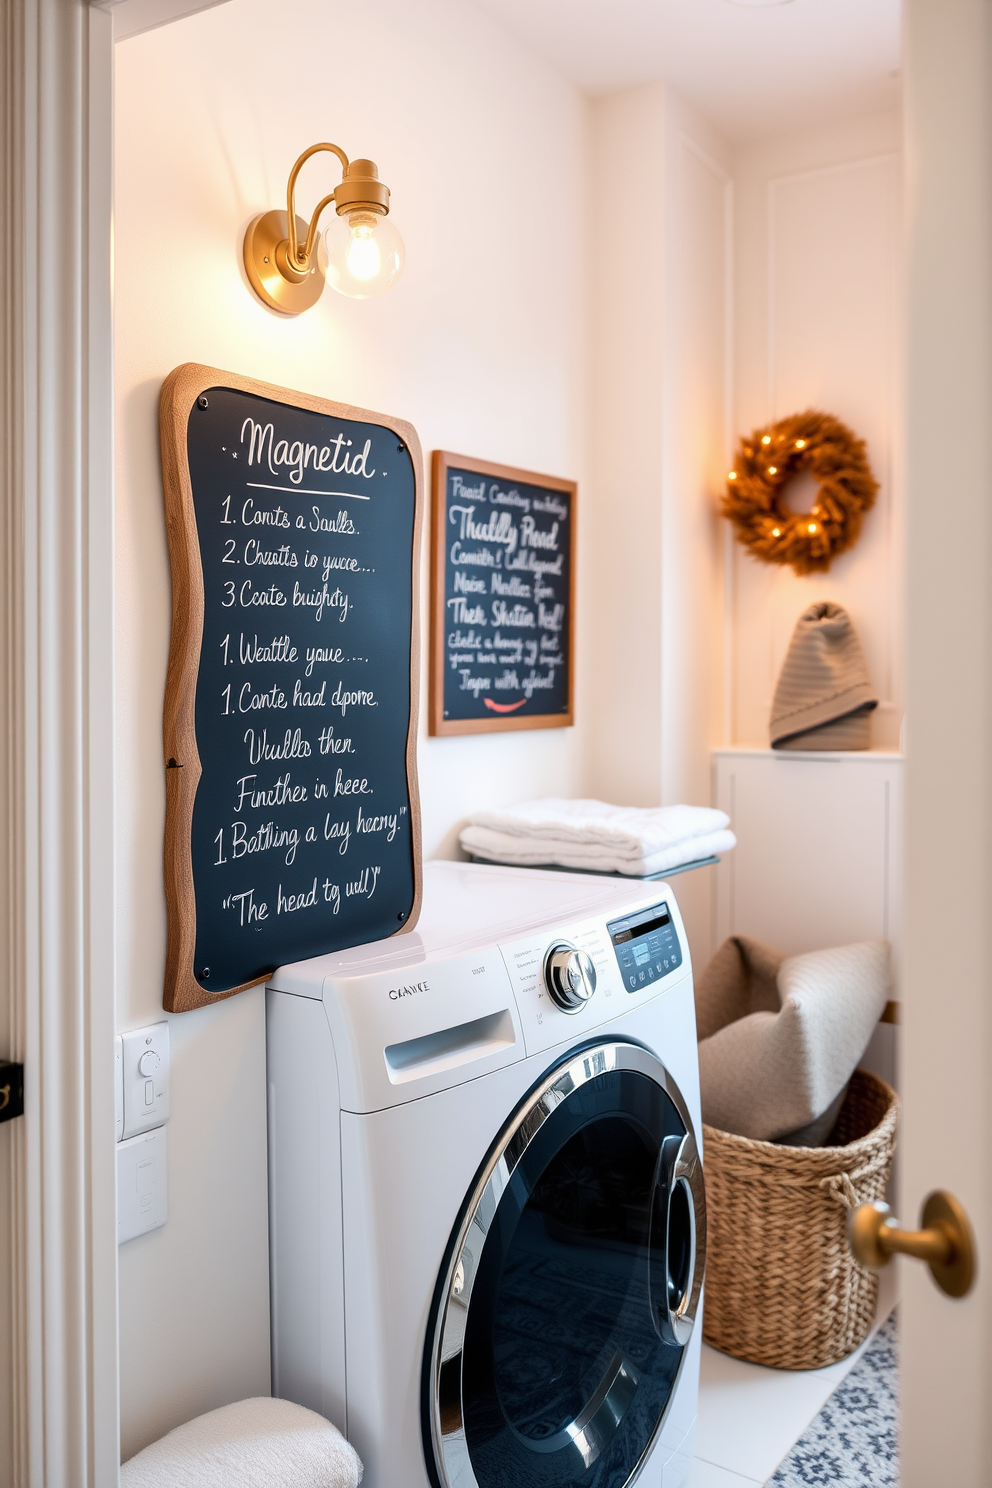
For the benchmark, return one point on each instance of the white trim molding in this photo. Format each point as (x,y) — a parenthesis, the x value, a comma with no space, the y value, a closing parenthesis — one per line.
(58,1252)
(131,17)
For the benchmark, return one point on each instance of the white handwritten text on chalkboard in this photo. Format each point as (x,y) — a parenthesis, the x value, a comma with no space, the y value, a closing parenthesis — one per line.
(503,601)
(300,837)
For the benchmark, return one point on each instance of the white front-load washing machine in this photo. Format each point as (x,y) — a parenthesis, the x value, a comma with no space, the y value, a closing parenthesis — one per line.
(487,1218)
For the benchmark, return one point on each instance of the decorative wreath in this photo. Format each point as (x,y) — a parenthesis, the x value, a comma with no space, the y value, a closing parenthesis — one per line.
(767,461)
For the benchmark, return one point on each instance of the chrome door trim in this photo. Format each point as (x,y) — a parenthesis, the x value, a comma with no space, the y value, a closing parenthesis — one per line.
(679,1167)
(448,1441)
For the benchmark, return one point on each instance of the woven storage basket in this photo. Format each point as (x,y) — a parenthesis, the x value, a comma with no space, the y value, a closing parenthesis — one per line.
(782,1287)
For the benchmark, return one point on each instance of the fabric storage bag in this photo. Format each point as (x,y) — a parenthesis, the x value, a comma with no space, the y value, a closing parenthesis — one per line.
(782,1287)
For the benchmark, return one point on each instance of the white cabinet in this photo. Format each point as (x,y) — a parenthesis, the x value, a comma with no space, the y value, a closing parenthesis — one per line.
(818,846)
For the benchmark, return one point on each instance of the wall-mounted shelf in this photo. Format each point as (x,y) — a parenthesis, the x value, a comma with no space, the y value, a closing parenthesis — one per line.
(845,756)
(632,878)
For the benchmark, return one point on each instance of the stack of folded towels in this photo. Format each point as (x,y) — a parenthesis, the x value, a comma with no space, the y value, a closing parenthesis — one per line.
(598,837)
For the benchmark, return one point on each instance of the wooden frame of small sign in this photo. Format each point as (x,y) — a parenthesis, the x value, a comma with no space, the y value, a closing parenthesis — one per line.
(273,544)
(502,598)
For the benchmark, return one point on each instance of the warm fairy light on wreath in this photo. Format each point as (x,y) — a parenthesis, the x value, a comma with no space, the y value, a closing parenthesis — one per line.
(835,457)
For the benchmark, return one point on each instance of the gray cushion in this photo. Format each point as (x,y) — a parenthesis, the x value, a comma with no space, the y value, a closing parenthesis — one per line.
(780,1037)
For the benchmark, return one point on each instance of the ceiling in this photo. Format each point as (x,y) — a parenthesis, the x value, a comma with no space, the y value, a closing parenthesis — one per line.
(752,69)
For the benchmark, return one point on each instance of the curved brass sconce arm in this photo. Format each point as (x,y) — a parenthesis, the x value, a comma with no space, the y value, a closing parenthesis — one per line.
(290,278)
(294,254)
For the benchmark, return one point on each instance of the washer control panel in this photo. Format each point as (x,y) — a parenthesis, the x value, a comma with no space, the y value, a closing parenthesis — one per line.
(646,945)
(569,984)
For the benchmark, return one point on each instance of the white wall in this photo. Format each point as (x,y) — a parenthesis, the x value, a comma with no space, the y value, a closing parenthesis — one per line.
(622,656)
(819,308)
(768,280)
(481,345)
(661,203)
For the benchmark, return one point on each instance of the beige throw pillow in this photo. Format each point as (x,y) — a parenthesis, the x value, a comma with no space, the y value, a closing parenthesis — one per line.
(780,1037)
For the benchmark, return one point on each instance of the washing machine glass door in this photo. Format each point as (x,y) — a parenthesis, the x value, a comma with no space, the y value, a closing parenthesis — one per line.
(571,1285)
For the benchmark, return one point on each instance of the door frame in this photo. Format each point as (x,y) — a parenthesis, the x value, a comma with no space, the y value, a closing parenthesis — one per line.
(59,1386)
(946,1032)
(57,737)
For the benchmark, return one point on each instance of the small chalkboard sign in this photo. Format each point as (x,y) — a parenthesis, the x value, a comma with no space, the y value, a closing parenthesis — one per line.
(502,598)
(292,813)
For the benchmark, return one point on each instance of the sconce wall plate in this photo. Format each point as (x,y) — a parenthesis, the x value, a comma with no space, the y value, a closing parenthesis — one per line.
(274,281)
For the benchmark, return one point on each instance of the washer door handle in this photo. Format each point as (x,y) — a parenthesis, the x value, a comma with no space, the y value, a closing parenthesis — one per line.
(678,1246)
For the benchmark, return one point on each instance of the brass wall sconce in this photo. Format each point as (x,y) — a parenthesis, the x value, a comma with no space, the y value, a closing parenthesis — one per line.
(360,255)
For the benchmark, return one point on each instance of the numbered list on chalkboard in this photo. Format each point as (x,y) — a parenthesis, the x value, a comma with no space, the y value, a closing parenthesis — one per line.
(301,834)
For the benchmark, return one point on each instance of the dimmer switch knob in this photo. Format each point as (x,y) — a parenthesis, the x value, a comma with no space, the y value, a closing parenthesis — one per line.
(569,976)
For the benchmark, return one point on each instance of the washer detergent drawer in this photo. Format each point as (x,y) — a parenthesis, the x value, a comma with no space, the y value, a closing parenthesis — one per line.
(404,1034)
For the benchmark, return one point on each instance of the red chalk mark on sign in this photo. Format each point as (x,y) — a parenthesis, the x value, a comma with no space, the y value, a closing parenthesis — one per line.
(503,707)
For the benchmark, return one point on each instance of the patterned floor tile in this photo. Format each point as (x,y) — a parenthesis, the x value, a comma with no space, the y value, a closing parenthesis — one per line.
(853,1442)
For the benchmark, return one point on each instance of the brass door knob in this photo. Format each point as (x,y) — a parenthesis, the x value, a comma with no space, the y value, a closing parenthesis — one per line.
(943,1240)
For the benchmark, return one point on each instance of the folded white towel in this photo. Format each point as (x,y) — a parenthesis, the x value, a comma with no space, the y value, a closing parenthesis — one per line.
(507,847)
(259,1443)
(626,831)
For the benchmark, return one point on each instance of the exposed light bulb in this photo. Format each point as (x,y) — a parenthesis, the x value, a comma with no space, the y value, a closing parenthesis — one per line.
(812,527)
(773,470)
(365,254)
(766,439)
(732,475)
(776,532)
(800,444)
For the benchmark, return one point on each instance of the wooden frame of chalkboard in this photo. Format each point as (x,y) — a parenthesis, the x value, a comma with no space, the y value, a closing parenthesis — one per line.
(388,526)
(488,573)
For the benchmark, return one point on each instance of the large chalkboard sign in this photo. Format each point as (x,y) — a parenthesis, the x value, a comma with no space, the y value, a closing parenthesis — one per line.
(502,598)
(292,814)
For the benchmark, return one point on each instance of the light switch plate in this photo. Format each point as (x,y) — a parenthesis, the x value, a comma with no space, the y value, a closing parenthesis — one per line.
(119,1087)
(142,1184)
(146,1078)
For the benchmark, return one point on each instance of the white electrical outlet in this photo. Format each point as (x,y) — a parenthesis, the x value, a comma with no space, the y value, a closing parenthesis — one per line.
(142,1184)
(145,1054)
